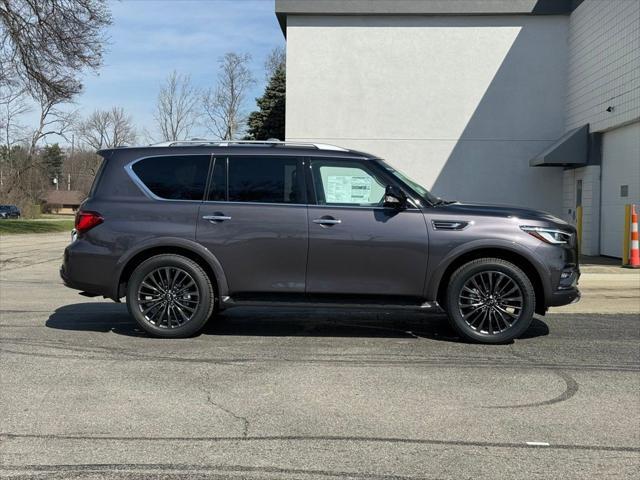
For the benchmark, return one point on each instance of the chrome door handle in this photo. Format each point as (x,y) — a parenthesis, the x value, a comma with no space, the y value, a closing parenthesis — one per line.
(327,221)
(216,218)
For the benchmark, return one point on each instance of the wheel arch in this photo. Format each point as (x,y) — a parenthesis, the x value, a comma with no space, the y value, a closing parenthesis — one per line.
(185,248)
(531,267)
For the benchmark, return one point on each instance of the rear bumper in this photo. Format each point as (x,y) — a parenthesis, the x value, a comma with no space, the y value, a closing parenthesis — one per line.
(86,269)
(82,286)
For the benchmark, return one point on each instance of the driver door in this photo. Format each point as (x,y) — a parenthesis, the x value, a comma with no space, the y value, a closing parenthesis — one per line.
(358,246)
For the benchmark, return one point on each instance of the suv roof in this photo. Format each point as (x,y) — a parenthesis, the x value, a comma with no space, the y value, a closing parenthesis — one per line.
(255,146)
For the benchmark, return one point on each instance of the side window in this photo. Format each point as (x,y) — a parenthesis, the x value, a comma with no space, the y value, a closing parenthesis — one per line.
(346,183)
(174,177)
(218,184)
(264,179)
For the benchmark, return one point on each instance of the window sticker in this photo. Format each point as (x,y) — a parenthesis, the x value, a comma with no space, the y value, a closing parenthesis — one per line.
(348,189)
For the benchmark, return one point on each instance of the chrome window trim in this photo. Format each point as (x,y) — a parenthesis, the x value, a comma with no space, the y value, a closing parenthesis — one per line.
(224,202)
(309,205)
(368,207)
(140,184)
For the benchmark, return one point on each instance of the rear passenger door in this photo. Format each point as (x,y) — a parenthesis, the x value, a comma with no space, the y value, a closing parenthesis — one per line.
(175,182)
(254,220)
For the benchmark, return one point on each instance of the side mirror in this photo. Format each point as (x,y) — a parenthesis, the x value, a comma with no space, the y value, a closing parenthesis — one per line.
(394,197)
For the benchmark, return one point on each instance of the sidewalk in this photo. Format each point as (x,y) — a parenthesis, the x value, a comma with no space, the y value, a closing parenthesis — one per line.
(606,288)
(589,264)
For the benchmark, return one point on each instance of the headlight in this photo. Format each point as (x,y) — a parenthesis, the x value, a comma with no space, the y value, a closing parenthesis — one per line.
(549,235)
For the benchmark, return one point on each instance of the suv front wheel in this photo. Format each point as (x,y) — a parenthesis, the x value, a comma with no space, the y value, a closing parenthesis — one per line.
(490,300)
(170,296)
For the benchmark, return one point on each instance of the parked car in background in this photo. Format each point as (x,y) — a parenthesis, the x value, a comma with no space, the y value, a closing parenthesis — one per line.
(9,211)
(184,229)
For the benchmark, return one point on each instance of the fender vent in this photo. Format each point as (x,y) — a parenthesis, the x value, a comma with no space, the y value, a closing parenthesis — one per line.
(449,224)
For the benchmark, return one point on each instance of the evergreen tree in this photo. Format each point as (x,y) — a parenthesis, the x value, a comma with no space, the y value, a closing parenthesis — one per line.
(268,121)
(52,158)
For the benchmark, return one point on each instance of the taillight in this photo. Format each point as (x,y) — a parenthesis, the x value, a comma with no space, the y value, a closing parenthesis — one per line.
(85,221)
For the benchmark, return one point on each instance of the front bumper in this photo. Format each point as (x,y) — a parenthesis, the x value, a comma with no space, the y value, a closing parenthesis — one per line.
(564,297)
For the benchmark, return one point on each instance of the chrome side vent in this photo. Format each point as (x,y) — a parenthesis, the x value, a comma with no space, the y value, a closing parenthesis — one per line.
(449,224)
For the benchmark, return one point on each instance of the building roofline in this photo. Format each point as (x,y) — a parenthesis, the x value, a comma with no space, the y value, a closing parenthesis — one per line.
(284,8)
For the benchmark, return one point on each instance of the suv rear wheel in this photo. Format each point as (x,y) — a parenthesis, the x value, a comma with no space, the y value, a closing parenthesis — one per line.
(170,296)
(490,300)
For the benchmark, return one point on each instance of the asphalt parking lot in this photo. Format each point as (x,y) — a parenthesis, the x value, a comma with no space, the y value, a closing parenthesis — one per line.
(304,395)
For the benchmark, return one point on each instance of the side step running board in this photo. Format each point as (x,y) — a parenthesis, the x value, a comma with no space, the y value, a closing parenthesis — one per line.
(227,302)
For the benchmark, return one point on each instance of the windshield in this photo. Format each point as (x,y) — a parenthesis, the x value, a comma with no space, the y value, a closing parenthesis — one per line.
(416,187)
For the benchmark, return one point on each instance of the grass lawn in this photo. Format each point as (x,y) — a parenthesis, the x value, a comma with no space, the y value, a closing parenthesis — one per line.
(35,226)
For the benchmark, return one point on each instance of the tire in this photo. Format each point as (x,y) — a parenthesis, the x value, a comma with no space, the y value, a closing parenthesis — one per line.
(490,300)
(170,296)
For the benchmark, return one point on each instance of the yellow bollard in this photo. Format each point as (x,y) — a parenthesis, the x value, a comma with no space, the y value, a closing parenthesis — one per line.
(579,227)
(626,233)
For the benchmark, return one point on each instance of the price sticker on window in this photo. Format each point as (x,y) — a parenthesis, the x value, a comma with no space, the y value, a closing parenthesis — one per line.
(348,189)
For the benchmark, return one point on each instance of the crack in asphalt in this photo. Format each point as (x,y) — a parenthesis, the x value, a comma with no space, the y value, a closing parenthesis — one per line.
(244,420)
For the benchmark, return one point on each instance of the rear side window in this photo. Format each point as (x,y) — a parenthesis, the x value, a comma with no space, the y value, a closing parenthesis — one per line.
(174,177)
(257,179)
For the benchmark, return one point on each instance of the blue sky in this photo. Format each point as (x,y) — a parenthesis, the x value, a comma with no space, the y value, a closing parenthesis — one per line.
(150,38)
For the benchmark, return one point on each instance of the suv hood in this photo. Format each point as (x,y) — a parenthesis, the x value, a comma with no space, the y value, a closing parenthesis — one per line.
(504,211)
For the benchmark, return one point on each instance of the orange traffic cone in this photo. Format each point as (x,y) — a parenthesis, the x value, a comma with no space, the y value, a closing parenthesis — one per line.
(634,257)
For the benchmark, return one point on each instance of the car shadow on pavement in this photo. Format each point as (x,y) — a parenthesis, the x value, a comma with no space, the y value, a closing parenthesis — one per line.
(282,322)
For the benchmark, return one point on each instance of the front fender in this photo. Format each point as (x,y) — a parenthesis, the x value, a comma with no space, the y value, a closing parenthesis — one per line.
(437,272)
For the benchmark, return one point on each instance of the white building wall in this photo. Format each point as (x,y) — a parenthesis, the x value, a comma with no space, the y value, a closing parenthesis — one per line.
(459,103)
(603,71)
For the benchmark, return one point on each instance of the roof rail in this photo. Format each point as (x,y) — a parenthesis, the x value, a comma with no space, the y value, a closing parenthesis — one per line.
(227,143)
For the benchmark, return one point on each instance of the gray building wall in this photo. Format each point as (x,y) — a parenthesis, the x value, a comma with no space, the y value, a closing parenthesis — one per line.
(461,103)
(604,64)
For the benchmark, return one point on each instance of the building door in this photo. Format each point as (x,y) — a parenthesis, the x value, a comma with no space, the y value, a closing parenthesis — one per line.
(620,184)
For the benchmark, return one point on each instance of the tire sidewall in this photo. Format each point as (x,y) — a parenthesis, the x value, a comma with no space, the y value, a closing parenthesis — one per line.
(464,273)
(203,311)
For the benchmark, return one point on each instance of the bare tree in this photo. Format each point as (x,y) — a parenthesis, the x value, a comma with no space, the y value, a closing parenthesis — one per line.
(51,121)
(224,105)
(45,43)
(107,129)
(276,60)
(177,110)
(13,104)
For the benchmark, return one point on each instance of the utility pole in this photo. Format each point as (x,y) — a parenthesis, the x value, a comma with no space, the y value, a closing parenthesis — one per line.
(71,159)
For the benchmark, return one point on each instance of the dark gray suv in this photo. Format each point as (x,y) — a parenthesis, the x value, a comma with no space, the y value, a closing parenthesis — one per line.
(185,229)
